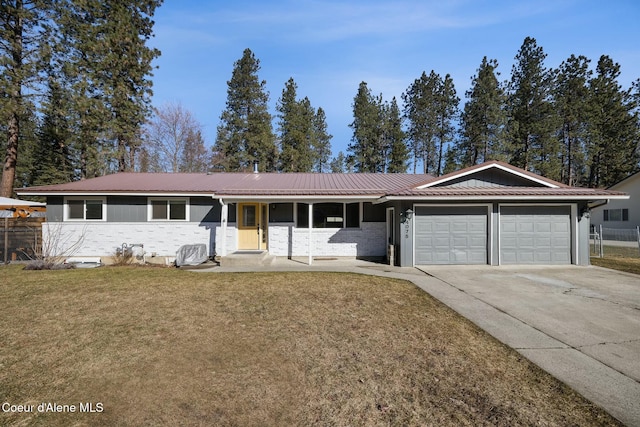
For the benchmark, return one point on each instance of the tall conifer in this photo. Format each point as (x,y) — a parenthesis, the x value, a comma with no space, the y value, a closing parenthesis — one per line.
(245,133)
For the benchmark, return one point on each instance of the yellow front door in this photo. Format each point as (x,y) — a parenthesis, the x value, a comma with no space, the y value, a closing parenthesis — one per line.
(252,226)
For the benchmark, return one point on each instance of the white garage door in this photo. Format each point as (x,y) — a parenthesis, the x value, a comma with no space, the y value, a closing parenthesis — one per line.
(450,235)
(535,235)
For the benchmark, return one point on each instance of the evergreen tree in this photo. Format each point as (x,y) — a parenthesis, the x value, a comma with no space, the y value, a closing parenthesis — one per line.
(21,52)
(337,164)
(482,120)
(398,154)
(296,130)
(571,97)
(531,127)
(321,142)
(420,111)
(612,141)
(53,157)
(367,148)
(245,133)
(447,110)
(101,53)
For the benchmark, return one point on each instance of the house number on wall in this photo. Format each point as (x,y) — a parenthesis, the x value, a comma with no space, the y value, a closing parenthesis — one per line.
(406,230)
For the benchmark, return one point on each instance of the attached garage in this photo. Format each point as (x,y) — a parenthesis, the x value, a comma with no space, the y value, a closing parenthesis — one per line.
(535,235)
(450,235)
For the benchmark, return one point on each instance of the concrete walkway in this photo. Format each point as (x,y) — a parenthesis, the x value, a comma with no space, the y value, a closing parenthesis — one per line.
(580,324)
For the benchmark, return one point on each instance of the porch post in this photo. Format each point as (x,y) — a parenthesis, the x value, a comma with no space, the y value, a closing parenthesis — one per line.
(310,233)
(224,216)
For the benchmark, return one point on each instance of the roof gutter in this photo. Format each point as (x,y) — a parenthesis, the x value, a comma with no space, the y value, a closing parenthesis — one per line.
(498,197)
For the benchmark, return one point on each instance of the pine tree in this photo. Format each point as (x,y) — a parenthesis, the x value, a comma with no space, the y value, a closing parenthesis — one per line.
(337,164)
(398,154)
(447,110)
(367,148)
(571,96)
(321,142)
(296,130)
(482,120)
(421,114)
(21,52)
(532,145)
(612,140)
(101,52)
(53,157)
(245,133)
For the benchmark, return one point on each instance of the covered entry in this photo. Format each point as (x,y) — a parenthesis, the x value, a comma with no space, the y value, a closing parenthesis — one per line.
(535,235)
(450,235)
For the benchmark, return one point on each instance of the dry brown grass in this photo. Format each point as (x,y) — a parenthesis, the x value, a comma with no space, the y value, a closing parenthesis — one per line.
(169,347)
(619,258)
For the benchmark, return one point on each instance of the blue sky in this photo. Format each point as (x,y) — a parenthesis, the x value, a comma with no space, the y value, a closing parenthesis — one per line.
(329,47)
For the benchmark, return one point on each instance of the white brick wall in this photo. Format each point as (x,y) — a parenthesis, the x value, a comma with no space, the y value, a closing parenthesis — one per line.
(164,238)
(369,240)
(102,238)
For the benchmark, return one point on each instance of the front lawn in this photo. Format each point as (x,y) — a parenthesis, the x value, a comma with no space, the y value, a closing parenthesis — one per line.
(157,346)
(620,258)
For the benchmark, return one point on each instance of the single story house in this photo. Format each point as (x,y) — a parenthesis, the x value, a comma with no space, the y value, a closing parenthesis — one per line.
(620,213)
(492,213)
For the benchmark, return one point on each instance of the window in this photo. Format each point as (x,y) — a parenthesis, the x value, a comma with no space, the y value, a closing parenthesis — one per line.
(616,214)
(85,210)
(168,210)
(329,215)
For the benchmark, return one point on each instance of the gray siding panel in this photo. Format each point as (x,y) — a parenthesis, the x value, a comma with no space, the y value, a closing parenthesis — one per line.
(205,209)
(126,209)
(535,235)
(490,178)
(451,235)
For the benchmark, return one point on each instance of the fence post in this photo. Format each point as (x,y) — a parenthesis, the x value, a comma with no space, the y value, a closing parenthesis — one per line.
(601,246)
(6,240)
(638,237)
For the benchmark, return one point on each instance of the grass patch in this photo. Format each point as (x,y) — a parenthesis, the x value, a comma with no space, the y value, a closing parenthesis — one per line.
(164,346)
(619,258)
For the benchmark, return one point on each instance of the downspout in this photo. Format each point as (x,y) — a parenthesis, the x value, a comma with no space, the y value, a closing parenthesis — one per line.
(310,233)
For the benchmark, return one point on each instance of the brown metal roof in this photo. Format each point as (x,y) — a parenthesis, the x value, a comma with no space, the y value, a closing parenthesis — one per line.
(267,184)
(399,186)
(496,192)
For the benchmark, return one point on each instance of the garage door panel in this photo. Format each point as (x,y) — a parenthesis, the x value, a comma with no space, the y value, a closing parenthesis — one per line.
(535,235)
(451,235)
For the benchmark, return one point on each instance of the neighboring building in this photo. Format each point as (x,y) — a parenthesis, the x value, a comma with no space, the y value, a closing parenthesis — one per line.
(492,213)
(620,213)
(14,208)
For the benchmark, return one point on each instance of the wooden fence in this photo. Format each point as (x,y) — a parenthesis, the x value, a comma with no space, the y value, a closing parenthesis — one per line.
(21,239)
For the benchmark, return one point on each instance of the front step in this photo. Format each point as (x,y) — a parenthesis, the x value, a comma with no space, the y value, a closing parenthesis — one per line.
(247,259)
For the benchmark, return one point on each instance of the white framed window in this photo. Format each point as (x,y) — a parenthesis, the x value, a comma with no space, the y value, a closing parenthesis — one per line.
(167,209)
(85,209)
(329,215)
(616,214)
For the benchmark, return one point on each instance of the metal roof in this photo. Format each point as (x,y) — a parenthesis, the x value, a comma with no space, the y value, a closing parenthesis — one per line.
(315,185)
(267,184)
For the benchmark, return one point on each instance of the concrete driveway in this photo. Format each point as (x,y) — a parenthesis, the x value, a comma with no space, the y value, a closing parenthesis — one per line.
(581,324)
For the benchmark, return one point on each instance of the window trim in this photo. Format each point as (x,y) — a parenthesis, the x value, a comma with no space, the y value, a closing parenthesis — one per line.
(167,200)
(66,210)
(344,216)
(624,215)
